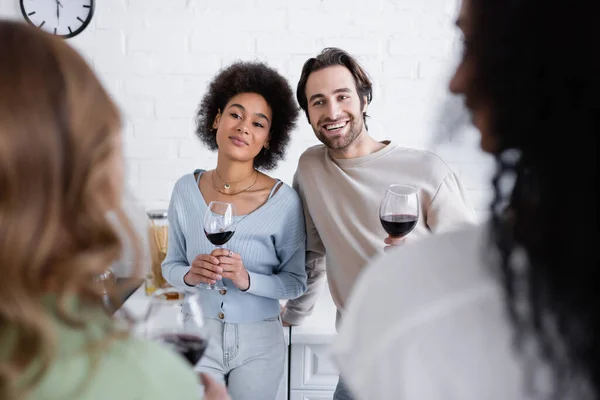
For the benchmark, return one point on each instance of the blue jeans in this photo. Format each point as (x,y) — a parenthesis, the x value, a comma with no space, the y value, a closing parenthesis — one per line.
(248,357)
(342,392)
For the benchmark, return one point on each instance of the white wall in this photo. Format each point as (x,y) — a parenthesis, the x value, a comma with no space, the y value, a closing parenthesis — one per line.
(157,56)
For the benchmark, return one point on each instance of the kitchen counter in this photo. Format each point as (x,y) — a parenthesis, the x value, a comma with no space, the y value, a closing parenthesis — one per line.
(318,328)
(137,304)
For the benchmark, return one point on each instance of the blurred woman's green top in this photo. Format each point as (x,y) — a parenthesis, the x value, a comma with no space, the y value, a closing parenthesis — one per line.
(127,369)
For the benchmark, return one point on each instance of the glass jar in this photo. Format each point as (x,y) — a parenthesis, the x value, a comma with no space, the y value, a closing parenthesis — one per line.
(158,238)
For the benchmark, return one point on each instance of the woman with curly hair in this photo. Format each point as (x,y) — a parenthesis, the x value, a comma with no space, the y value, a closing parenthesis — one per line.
(507,310)
(61,182)
(246,115)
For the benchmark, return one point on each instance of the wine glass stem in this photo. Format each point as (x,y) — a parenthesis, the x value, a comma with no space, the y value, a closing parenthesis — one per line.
(219,246)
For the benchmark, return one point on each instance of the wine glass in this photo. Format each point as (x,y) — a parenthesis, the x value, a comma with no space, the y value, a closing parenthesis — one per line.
(107,281)
(219,227)
(174,318)
(399,210)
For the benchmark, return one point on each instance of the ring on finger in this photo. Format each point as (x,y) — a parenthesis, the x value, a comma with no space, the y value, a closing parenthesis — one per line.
(230,253)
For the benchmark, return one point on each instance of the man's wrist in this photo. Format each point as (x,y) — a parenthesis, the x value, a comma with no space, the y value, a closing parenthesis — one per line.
(292,318)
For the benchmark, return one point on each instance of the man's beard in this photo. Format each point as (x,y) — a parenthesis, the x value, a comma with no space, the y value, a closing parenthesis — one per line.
(342,142)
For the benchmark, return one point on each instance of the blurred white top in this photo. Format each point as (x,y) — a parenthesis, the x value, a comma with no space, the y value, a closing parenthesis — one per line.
(427,322)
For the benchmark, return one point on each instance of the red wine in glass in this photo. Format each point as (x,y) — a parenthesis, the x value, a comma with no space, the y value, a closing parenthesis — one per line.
(191,347)
(398,225)
(219,238)
(219,227)
(175,319)
(399,210)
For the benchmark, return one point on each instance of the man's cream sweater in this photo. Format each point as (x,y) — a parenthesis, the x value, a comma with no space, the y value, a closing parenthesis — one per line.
(341,200)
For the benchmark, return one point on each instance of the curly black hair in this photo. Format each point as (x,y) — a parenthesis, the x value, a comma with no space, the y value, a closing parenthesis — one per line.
(251,77)
(537,68)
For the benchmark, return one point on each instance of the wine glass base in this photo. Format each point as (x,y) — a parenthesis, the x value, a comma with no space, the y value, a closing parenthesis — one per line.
(216,286)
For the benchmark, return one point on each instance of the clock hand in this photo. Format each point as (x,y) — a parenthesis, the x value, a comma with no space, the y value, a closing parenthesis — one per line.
(58,9)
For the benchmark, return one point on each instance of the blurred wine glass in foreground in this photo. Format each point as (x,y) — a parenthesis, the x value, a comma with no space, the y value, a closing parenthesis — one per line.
(175,319)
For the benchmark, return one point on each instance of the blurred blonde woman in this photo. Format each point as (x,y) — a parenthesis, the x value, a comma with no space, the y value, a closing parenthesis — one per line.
(60,174)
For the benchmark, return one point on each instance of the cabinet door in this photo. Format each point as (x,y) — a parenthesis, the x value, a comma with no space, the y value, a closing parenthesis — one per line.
(311,368)
(311,395)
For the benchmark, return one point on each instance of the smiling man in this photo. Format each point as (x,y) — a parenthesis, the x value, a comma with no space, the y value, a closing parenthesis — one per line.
(341,184)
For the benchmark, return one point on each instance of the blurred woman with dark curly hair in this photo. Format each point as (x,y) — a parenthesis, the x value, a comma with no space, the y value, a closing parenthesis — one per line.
(508,310)
(246,115)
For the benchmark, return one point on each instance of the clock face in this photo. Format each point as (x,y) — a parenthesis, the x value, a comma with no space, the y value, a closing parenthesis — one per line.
(65,18)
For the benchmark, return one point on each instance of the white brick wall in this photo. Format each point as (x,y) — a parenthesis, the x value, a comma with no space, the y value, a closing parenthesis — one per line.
(156,58)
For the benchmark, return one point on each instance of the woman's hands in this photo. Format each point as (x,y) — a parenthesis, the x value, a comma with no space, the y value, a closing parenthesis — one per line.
(233,268)
(221,263)
(205,269)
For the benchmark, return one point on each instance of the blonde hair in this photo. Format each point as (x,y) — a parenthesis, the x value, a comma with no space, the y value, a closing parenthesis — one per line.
(57,141)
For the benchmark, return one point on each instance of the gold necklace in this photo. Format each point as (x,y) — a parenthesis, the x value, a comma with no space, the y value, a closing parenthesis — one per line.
(228,185)
(233,194)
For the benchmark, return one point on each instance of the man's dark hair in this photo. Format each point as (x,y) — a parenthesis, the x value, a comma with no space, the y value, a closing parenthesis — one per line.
(331,56)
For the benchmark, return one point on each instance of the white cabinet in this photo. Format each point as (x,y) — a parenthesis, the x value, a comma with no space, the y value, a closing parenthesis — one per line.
(310,395)
(312,374)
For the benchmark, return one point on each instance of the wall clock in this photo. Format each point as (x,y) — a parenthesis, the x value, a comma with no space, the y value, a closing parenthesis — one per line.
(64,18)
